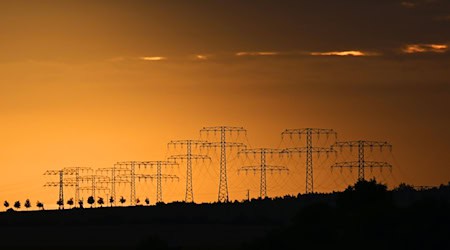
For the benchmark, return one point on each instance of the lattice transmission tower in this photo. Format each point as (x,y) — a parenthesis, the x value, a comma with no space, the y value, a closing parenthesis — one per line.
(223,144)
(159,176)
(309,149)
(116,174)
(188,157)
(63,182)
(96,182)
(362,164)
(78,171)
(131,175)
(263,167)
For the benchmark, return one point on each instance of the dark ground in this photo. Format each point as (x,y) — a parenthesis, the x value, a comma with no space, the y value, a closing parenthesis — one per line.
(366,216)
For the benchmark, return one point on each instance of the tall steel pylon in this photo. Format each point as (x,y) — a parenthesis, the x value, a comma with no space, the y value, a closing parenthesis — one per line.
(309,150)
(130,175)
(77,171)
(188,157)
(263,167)
(362,164)
(115,172)
(159,176)
(223,144)
(63,182)
(96,184)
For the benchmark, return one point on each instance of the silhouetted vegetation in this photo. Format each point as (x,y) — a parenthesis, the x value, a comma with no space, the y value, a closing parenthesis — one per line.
(70,202)
(40,205)
(365,215)
(122,200)
(6,204)
(91,200)
(27,204)
(59,203)
(111,201)
(100,201)
(17,204)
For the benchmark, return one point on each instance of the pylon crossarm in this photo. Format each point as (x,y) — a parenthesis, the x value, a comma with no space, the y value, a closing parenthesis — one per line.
(57,184)
(223,128)
(185,142)
(223,144)
(355,144)
(186,157)
(260,150)
(267,168)
(306,130)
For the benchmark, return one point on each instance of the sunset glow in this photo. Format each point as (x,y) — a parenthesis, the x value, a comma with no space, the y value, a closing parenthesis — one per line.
(421,48)
(94,84)
(343,53)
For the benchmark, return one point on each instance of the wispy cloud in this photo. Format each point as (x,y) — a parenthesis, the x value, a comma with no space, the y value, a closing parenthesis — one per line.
(443,18)
(203,57)
(408,4)
(421,48)
(257,53)
(153,58)
(344,53)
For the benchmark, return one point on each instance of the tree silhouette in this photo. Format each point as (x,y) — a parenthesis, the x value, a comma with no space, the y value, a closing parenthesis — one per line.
(80,203)
(70,202)
(147,201)
(100,201)
(111,201)
(122,200)
(60,203)
(365,194)
(91,201)
(17,204)
(40,205)
(403,187)
(6,204)
(27,203)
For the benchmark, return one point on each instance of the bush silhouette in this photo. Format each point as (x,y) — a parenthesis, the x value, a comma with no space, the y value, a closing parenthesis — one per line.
(91,200)
(17,204)
(27,203)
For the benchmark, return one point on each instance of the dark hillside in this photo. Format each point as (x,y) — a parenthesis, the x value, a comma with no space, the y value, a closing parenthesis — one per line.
(364,214)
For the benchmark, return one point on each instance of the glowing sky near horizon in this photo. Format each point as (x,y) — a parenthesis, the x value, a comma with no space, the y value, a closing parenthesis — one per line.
(90,83)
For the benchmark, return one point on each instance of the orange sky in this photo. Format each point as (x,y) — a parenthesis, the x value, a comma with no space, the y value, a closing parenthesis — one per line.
(90,84)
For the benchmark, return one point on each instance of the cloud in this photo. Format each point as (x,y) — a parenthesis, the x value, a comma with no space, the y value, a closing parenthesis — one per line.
(153,58)
(421,48)
(202,57)
(407,4)
(443,18)
(257,53)
(344,53)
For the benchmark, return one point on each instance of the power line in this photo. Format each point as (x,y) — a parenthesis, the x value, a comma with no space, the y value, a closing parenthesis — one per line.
(188,156)
(262,167)
(362,164)
(223,144)
(309,149)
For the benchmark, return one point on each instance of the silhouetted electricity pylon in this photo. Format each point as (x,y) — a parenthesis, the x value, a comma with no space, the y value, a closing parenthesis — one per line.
(77,171)
(96,183)
(160,176)
(223,144)
(188,157)
(63,182)
(309,149)
(114,172)
(132,176)
(361,164)
(263,167)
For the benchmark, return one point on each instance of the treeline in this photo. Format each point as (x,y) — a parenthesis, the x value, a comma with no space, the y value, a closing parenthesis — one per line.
(368,216)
